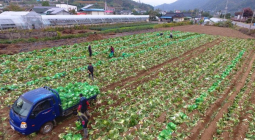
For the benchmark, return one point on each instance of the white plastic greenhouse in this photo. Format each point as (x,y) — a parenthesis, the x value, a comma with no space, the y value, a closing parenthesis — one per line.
(29,20)
(24,20)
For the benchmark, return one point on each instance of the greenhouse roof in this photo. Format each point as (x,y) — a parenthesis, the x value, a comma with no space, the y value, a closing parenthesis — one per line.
(22,13)
(56,17)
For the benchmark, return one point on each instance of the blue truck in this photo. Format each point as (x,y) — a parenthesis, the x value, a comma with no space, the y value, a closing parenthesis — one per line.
(37,110)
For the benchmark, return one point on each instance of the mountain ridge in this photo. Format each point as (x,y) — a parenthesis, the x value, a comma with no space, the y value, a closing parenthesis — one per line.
(233,5)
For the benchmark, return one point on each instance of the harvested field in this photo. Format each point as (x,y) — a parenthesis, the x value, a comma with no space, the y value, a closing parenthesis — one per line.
(212,30)
(194,86)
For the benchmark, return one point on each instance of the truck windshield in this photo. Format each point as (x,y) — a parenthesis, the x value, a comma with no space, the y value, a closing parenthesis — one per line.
(21,107)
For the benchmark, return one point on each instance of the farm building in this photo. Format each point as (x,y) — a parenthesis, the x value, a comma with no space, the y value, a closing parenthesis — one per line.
(56,11)
(67,7)
(41,9)
(92,11)
(30,20)
(176,17)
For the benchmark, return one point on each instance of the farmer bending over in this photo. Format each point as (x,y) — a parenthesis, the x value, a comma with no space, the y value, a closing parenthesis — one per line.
(171,35)
(84,121)
(112,50)
(83,106)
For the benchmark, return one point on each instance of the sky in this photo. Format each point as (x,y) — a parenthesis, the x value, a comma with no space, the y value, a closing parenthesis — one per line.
(156,2)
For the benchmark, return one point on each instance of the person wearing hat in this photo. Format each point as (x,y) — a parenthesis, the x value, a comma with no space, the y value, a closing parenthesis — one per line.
(83,106)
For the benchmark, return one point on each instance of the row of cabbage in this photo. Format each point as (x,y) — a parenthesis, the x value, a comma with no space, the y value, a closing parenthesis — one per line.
(149,101)
(103,69)
(243,106)
(45,71)
(210,98)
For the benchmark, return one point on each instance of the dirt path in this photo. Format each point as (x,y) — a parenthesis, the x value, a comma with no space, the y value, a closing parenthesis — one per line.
(195,132)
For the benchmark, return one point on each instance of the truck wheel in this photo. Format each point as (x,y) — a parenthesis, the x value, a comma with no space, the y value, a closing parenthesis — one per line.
(46,128)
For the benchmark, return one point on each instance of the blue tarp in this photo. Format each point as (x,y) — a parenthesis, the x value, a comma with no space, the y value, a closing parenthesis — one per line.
(165,17)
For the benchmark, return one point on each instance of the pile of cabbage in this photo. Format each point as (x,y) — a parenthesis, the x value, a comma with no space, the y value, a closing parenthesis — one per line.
(69,95)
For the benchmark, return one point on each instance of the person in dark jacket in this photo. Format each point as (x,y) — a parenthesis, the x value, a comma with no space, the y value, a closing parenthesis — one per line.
(84,121)
(84,106)
(90,51)
(171,35)
(112,50)
(90,71)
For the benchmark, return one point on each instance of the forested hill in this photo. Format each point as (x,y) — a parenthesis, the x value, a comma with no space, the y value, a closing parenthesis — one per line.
(233,6)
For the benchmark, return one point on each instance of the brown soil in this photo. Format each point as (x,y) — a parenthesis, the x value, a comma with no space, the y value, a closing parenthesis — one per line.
(95,37)
(72,31)
(9,49)
(213,30)
(68,31)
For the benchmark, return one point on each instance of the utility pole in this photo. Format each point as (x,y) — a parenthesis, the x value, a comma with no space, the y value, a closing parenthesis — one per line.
(226,9)
(242,15)
(251,21)
(215,12)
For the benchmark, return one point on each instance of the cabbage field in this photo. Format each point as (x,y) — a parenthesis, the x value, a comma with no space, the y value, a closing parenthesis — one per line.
(194,86)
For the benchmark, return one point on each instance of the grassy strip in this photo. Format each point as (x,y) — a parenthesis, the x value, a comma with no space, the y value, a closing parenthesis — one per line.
(172,24)
(103,28)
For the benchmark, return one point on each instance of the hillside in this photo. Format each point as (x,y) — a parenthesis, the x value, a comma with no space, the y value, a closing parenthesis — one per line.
(182,5)
(233,6)
(117,4)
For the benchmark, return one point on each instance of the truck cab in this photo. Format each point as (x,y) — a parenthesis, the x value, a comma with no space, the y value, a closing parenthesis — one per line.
(35,110)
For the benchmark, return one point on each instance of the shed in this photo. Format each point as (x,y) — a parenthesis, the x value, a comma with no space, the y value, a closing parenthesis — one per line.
(67,7)
(93,11)
(41,9)
(56,11)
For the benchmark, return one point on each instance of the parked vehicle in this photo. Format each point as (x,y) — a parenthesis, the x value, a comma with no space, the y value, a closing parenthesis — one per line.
(37,110)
